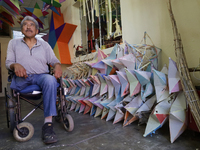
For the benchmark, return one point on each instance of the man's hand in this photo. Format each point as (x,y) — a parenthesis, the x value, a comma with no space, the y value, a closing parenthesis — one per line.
(57,70)
(19,70)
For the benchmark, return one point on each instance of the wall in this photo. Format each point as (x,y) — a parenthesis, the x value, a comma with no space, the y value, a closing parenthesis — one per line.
(139,16)
(4,72)
(153,17)
(71,15)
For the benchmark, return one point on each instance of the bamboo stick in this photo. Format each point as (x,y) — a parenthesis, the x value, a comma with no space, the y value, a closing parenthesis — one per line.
(188,87)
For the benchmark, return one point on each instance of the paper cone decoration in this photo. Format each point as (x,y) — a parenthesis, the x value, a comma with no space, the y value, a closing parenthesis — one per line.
(55,3)
(131,109)
(147,105)
(116,101)
(113,110)
(87,90)
(78,105)
(100,55)
(134,105)
(100,66)
(96,87)
(50,6)
(160,83)
(177,117)
(107,101)
(135,86)
(97,63)
(91,87)
(98,102)
(110,87)
(118,64)
(158,116)
(83,87)
(73,87)
(128,61)
(104,113)
(116,83)
(60,34)
(7,18)
(89,104)
(119,115)
(112,56)
(104,86)
(99,107)
(36,13)
(111,115)
(173,78)
(149,89)
(13,5)
(8,9)
(98,112)
(129,118)
(164,69)
(143,77)
(124,83)
(82,105)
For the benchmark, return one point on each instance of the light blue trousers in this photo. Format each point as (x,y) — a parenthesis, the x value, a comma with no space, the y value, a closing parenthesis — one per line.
(47,83)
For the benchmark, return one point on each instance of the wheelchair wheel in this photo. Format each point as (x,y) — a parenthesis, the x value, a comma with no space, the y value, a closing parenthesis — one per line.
(25,132)
(68,122)
(10,112)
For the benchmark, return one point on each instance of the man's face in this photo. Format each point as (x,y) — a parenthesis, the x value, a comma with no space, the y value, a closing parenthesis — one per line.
(29,29)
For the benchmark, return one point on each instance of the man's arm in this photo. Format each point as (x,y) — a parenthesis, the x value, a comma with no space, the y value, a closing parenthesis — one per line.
(57,70)
(11,62)
(19,70)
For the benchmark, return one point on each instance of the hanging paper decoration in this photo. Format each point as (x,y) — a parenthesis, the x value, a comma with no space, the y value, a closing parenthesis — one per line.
(36,13)
(59,36)
(174,80)
(14,4)
(1,22)
(55,3)
(9,8)
(5,17)
(54,6)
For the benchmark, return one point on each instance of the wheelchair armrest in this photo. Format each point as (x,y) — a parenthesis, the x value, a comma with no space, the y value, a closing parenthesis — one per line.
(10,75)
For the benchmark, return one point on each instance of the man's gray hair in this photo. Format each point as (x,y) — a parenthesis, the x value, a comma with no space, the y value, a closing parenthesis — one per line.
(31,19)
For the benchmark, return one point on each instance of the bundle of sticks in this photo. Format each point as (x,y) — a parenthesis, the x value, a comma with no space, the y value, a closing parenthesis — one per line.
(188,87)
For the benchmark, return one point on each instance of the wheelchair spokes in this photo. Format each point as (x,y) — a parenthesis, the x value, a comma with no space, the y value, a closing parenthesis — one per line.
(23,132)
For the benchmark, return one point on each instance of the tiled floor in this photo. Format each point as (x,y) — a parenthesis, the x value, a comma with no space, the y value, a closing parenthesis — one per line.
(95,134)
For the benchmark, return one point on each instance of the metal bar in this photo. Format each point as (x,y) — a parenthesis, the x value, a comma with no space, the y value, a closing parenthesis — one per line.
(38,106)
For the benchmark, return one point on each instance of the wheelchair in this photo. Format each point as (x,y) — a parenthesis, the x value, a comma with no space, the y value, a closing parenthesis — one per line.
(23,131)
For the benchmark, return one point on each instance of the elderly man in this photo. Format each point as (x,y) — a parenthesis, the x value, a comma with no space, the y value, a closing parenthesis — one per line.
(29,57)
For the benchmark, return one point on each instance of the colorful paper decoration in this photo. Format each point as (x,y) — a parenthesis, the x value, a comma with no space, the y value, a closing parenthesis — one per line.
(36,13)
(5,17)
(55,6)
(9,8)
(55,3)
(174,80)
(59,36)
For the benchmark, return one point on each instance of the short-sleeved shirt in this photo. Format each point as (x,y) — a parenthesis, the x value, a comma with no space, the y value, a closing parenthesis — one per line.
(34,60)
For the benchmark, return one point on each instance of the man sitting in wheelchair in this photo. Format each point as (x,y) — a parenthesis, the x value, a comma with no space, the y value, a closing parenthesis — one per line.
(29,57)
